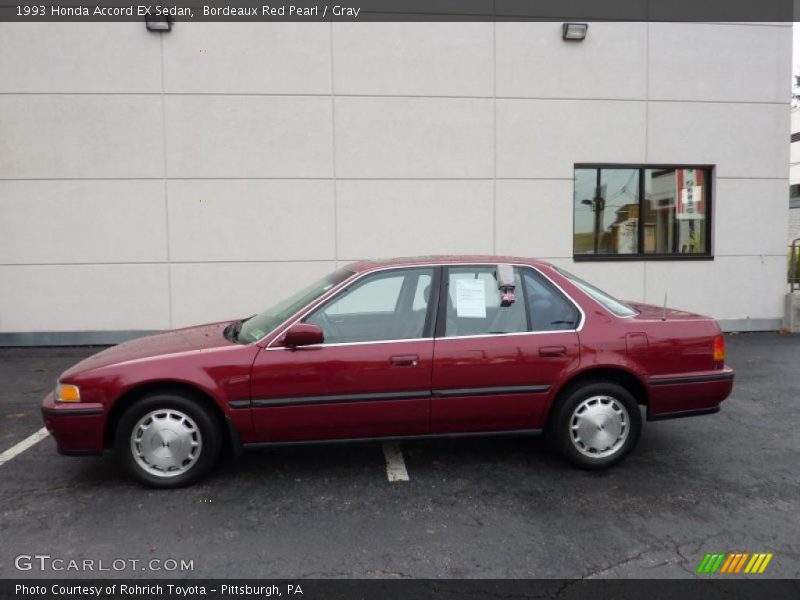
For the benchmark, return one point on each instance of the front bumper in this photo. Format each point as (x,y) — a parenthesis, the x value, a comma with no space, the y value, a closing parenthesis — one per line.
(77,427)
(688,394)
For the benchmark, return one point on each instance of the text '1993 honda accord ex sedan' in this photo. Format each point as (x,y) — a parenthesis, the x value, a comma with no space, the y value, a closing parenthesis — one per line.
(400,348)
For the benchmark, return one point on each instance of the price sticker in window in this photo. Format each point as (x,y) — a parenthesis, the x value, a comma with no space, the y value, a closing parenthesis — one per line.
(471,298)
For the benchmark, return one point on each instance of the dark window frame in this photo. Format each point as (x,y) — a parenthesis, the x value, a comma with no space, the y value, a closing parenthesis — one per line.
(640,255)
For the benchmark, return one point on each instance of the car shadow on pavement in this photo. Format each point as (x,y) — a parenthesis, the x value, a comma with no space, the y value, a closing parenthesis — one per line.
(662,453)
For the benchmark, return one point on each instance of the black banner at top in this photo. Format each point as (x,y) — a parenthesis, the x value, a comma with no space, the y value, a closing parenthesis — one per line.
(398,10)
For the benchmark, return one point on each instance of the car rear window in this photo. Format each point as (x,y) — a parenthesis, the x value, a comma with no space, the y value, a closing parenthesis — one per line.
(617,307)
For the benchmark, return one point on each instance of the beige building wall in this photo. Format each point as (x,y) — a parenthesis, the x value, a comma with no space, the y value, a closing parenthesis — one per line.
(151,181)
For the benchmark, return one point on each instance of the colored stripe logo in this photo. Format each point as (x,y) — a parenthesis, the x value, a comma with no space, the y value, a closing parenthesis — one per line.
(734,563)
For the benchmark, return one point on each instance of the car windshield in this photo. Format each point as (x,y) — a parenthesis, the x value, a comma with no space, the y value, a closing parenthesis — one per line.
(255,328)
(615,306)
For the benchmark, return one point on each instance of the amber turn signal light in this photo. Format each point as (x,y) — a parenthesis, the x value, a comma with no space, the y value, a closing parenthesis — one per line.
(67,393)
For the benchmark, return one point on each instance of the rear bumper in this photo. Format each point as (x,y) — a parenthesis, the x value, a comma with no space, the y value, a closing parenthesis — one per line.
(688,394)
(77,428)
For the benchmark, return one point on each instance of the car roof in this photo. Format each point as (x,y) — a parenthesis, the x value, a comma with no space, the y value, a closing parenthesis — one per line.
(466,259)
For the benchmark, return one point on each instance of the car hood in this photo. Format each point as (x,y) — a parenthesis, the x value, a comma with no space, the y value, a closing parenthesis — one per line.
(161,344)
(652,312)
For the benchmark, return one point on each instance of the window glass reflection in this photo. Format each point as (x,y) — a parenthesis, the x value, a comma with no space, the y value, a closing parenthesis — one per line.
(606,211)
(673,203)
(675,211)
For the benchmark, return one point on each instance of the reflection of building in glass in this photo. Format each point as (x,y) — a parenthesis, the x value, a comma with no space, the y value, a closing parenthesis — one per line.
(602,199)
(624,230)
(675,210)
(608,207)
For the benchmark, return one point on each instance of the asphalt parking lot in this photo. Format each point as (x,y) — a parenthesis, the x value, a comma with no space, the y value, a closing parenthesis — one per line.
(493,507)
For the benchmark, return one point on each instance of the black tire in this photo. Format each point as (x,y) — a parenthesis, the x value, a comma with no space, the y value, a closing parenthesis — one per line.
(611,396)
(199,424)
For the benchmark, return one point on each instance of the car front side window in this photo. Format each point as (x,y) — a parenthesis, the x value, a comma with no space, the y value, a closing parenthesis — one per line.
(391,305)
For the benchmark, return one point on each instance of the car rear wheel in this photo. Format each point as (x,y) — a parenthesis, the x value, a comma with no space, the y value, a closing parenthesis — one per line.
(168,440)
(596,424)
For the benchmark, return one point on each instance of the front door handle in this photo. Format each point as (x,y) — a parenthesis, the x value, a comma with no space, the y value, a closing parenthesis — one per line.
(405,360)
(553,351)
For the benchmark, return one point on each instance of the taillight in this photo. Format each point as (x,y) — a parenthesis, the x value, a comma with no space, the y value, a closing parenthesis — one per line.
(719,351)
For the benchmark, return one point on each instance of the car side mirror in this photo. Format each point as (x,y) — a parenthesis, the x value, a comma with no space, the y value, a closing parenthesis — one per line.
(302,334)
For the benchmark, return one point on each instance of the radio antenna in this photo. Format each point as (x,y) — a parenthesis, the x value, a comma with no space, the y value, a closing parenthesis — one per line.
(664,314)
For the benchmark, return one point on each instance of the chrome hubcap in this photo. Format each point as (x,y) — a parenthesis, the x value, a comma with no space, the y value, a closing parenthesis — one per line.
(599,426)
(166,442)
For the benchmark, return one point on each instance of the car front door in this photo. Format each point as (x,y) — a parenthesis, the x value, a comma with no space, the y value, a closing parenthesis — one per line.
(494,365)
(371,376)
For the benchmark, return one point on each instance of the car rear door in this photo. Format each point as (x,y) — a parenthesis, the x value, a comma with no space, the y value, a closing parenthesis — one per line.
(371,377)
(494,366)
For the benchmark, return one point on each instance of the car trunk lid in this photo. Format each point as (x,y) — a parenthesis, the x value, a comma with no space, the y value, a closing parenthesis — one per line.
(651,312)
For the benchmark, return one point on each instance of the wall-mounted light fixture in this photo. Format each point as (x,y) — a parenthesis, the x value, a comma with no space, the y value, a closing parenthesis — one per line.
(160,23)
(574,32)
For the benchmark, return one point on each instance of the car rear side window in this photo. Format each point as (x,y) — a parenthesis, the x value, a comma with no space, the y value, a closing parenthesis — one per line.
(473,304)
(549,309)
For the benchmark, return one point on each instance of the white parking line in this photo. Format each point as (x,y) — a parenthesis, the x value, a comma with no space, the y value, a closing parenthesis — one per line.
(29,441)
(395,465)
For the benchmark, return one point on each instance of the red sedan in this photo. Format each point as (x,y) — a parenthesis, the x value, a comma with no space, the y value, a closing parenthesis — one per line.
(402,348)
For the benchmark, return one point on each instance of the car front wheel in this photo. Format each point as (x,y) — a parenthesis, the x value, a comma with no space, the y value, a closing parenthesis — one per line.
(167,440)
(596,425)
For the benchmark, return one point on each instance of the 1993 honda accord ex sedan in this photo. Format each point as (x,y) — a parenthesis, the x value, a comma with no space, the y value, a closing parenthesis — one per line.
(393,349)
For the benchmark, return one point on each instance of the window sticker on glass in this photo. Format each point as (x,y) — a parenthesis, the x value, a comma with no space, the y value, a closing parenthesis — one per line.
(471,298)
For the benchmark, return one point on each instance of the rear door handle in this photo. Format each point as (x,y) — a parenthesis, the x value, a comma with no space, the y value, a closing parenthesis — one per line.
(553,351)
(405,360)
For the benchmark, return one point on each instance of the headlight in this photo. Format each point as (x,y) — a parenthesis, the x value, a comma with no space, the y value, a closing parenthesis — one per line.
(67,393)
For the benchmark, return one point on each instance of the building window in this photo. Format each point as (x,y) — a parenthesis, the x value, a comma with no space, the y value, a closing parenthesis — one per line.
(650,212)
